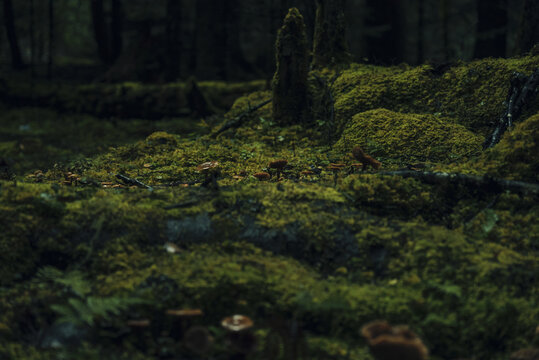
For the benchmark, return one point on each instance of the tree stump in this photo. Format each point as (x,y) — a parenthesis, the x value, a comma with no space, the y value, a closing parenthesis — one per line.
(290,78)
(330,47)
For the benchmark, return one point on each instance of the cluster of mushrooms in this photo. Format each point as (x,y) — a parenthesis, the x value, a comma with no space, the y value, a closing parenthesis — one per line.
(211,169)
(197,338)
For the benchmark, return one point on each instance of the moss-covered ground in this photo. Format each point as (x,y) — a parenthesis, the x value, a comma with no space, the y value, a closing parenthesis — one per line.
(310,255)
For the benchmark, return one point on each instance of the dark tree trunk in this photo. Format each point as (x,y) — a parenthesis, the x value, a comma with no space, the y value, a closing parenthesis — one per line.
(529,28)
(386,15)
(444,4)
(420,30)
(235,65)
(289,83)
(173,39)
(116,30)
(51,39)
(211,39)
(32,39)
(100,30)
(330,47)
(491,28)
(9,21)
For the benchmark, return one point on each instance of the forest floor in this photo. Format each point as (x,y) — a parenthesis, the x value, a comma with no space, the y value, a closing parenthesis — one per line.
(109,222)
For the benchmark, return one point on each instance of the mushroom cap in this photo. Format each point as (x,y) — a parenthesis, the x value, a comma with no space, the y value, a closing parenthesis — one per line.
(278,164)
(138,323)
(185,312)
(172,248)
(262,175)
(209,166)
(398,342)
(237,323)
(375,329)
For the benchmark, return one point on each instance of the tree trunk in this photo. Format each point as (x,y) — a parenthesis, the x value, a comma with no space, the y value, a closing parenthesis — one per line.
(529,28)
(32,40)
(51,39)
(16,58)
(420,30)
(100,31)
(173,39)
(386,16)
(210,41)
(491,28)
(330,47)
(235,65)
(116,30)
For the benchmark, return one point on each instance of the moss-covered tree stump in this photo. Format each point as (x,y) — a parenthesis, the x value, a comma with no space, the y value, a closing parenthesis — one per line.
(290,79)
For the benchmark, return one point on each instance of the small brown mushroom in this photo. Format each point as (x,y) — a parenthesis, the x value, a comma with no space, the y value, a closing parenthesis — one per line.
(237,323)
(211,170)
(240,336)
(389,343)
(335,168)
(278,165)
(360,155)
(181,320)
(262,175)
(139,323)
(185,312)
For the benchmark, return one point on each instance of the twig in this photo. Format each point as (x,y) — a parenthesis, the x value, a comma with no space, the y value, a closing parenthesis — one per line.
(181,205)
(523,89)
(486,183)
(132,181)
(238,120)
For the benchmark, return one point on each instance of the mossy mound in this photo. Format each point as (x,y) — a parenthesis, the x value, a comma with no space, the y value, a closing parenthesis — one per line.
(472,93)
(386,133)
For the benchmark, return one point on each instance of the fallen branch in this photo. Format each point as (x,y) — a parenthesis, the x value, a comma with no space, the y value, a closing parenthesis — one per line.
(523,89)
(131,181)
(486,183)
(238,120)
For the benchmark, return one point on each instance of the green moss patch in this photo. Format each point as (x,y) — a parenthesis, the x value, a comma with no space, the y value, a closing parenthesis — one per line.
(386,133)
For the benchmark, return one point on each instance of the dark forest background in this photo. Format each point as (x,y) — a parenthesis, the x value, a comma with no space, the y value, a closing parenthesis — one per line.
(169,40)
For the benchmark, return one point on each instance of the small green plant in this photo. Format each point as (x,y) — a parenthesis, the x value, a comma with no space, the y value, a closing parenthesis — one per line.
(81,308)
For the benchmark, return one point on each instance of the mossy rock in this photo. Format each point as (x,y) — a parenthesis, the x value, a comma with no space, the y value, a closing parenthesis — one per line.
(386,133)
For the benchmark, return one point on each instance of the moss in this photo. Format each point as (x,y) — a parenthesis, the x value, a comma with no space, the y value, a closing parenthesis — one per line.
(290,79)
(385,133)
(456,264)
(472,93)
